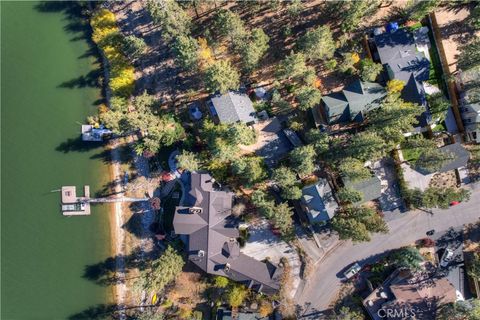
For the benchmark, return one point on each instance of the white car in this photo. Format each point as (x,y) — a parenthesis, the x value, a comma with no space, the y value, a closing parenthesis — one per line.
(446,258)
(353,270)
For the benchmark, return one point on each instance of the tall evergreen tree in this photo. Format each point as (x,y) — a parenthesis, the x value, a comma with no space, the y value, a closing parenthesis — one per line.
(318,44)
(221,76)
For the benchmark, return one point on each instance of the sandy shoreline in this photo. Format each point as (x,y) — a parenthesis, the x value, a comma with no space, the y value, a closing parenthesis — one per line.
(117,234)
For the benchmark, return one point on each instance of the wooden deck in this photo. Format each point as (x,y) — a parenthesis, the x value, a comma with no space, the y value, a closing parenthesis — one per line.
(72,205)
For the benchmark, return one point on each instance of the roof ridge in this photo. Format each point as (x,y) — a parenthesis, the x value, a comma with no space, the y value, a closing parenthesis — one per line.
(246,275)
(229,93)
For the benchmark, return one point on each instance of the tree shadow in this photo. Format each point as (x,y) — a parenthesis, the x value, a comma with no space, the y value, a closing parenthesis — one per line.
(75,13)
(90,80)
(308,312)
(108,189)
(112,270)
(113,311)
(77,24)
(134,224)
(125,152)
(78,145)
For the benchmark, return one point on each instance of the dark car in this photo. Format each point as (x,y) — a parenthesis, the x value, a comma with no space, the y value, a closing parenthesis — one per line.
(430,232)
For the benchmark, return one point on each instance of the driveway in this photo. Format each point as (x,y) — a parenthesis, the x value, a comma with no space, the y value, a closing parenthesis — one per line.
(416,179)
(323,286)
(385,171)
(262,244)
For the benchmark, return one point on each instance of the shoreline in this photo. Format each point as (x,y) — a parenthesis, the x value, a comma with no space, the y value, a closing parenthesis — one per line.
(117,234)
(116,219)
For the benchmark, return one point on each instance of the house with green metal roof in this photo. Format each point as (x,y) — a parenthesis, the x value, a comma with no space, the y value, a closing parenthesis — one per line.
(352,103)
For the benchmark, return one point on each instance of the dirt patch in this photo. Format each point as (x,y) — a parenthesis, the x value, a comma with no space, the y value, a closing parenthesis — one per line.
(455,31)
(444,180)
(189,290)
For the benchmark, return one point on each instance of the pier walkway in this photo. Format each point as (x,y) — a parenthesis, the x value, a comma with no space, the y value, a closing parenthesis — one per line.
(73,205)
(121,199)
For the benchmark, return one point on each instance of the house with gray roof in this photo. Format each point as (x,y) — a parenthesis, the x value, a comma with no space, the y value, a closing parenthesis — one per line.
(274,142)
(460,157)
(210,234)
(402,61)
(352,103)
(370,188)
(471,120)
(469,85)
(318,202)
(232,107)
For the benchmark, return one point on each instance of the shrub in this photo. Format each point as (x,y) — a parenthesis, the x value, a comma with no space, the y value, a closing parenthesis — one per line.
(331,64)
(220,282)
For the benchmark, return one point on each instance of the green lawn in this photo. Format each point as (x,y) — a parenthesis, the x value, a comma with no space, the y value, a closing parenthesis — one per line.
(436,71)
(410,154)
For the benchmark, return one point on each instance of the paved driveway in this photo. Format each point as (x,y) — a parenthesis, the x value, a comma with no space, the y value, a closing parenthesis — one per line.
(414,178)
(323,286)
(263,244)
(385,171)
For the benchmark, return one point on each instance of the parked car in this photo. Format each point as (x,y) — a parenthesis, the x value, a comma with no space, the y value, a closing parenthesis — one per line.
(352,271)
(446,258)
(430,232)
(454,203)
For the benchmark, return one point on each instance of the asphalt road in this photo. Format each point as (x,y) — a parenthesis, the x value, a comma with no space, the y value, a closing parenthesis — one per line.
(325,281)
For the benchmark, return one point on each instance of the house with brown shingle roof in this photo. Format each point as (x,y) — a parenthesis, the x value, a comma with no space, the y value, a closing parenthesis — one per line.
(210,234)
(404,295)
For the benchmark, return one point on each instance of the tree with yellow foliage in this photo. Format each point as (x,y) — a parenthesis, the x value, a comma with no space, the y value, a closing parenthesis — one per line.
(395,86)
(205,54)
(109,39)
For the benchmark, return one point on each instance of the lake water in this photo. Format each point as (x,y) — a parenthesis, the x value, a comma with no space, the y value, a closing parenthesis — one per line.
(47,91)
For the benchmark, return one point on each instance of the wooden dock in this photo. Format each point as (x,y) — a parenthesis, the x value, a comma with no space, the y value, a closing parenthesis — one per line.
(74,205)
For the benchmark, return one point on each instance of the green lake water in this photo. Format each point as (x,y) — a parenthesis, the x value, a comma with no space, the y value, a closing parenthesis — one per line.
(43,254)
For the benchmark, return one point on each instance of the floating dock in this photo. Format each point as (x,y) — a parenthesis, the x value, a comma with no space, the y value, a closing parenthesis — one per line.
(72,205)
